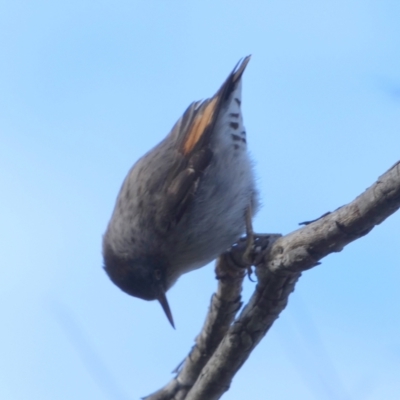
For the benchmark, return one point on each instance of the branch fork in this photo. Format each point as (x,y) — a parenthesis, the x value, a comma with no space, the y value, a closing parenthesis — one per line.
(225,343)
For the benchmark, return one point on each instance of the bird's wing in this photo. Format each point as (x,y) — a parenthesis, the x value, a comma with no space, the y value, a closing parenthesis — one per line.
(193,133)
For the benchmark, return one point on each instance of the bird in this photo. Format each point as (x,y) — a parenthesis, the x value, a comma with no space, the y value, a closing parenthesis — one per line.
(186,201)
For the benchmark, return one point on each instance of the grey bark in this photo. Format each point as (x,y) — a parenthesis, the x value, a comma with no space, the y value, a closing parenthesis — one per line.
(224,343)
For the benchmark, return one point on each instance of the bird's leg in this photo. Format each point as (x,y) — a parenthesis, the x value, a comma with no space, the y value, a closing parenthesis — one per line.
(248,253)
(255,245)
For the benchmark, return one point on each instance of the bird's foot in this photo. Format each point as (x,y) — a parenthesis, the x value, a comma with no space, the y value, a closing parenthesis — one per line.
(254,247)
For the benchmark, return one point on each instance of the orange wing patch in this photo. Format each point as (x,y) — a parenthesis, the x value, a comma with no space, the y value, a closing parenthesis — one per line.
(199,125)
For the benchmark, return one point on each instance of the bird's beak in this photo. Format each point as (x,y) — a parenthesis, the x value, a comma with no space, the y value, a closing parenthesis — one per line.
(162,298)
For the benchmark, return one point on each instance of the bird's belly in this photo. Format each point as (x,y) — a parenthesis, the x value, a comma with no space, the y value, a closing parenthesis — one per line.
(216,219)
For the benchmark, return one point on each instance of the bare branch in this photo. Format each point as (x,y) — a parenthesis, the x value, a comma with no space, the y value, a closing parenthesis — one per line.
(212,363)
(225,303)
(283,264)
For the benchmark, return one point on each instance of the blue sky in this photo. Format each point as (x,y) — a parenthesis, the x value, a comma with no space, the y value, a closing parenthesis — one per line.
(87,87)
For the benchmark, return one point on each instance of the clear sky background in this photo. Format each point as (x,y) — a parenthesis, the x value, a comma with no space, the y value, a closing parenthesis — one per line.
(86,87)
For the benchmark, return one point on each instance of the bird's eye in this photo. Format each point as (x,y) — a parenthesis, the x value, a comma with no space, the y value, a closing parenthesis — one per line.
(157,274)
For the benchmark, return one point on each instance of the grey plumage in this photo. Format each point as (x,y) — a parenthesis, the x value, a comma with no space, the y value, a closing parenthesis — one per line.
(184,202)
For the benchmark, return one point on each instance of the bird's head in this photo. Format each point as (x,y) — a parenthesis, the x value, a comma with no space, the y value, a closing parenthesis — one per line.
(144,277)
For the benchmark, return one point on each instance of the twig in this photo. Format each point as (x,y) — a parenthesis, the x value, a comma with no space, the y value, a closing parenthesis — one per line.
(284,262)
(278,272)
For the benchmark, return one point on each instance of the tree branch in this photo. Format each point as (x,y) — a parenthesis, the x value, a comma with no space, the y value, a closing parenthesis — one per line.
(225,303)
(278,273)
